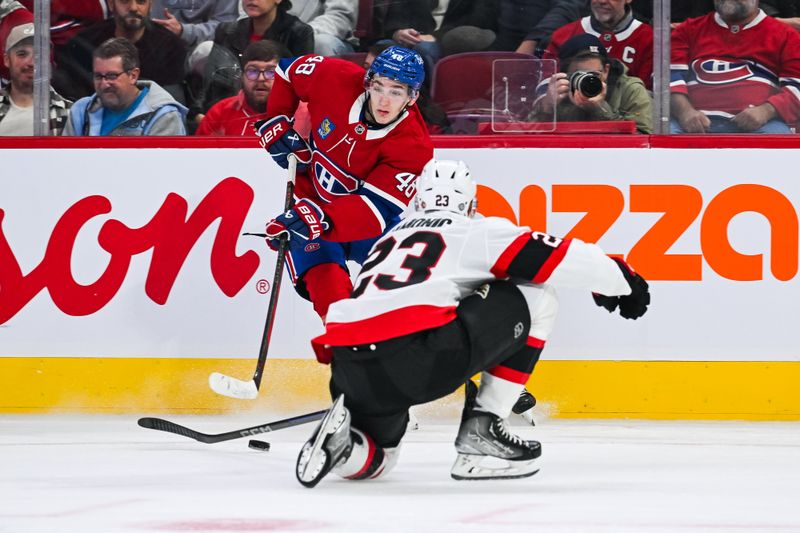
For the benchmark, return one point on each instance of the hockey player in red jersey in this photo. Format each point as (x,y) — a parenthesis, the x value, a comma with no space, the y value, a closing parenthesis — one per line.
(624,37)
(434,304)
(356,173)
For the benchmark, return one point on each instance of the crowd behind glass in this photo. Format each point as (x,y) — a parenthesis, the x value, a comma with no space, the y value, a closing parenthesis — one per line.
(206,67)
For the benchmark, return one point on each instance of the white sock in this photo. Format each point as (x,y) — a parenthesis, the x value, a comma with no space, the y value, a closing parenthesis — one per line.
(497,395)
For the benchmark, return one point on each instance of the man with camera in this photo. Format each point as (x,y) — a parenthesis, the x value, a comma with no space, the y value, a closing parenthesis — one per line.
(592,87)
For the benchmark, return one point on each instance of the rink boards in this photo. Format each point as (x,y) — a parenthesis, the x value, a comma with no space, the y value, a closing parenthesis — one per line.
(124,280)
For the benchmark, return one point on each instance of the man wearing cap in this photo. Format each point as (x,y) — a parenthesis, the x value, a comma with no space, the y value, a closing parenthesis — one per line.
(16,101)
(625,38)
(618,96)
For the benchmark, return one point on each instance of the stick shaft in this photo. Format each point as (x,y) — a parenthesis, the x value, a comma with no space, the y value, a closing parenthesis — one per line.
(171,427)
(276,279)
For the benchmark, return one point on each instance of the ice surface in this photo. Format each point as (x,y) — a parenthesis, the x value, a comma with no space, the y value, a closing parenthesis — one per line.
(106,474)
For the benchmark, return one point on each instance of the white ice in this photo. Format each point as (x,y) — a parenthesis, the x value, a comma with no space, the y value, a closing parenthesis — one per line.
(89,474)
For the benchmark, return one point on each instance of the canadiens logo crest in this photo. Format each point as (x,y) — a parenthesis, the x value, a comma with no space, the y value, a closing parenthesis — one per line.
(719,72)
(325,128)
(311,247)
(330,180)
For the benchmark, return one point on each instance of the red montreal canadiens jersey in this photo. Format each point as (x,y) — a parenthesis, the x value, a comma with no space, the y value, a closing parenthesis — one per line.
(726,69)
(632,45)
(362,178)
(417,273)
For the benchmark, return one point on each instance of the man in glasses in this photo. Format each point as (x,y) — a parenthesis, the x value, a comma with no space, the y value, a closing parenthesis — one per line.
(356,173)
(237,114)
(124,105)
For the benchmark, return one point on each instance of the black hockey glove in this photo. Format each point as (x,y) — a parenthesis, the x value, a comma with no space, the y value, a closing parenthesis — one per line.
(633,305)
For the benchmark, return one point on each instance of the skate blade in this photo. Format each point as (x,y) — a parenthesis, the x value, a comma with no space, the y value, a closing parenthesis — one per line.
(469,467)
(313,463)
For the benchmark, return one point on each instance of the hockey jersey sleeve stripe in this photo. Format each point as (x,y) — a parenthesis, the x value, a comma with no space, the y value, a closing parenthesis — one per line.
(500,267)
(552,261)
(509,374)
(385,196)
(380,217)
(355,217)
(284,66)
(530,259)
(397,323)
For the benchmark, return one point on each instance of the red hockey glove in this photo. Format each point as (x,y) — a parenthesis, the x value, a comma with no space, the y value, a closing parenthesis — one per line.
(633,305)
(305,220)
(277,137)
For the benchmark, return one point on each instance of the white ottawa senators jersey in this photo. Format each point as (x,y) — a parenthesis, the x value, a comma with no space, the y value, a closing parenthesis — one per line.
(726,69)
(417,273)
(363,176)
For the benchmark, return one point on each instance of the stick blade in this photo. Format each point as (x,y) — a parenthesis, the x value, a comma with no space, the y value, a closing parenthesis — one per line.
(232,387)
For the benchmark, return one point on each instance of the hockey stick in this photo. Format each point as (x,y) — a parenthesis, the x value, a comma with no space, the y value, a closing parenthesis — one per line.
(248,390)
(171,427)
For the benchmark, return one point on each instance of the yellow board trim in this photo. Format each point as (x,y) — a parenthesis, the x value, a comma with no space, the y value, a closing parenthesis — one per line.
(565,389)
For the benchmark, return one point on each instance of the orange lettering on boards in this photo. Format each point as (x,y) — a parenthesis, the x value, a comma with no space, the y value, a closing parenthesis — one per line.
(681,206)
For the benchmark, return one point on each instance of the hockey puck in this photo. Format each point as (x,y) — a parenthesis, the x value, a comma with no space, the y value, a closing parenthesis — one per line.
(259,445)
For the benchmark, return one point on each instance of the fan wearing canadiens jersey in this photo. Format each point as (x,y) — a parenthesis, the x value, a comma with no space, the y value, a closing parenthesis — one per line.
(356,173)
(624,37)
(735,70)
(443,296)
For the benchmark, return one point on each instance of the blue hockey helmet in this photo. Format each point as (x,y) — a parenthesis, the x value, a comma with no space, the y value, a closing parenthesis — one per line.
(399,64)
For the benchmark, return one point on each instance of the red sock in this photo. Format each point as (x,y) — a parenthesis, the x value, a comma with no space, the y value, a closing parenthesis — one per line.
(327,283)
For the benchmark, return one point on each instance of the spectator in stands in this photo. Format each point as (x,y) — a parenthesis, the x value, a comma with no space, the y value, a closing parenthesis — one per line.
(194,21)
(124,105)
(333,22)
(620,96)
(161,54)
(680,10)
(12,14)
(67,18)
(464,26)
(736,70)
(236,115)
(624,37)
(16,102)
(526,25)
(266,19)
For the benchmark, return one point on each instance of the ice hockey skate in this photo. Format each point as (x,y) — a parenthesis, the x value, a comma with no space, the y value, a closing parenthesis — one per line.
(330,445)
(483,435)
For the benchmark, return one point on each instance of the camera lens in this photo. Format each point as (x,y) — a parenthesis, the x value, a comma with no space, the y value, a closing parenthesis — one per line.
(588,83)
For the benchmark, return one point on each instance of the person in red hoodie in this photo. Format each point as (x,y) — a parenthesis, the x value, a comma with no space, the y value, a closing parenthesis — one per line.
(237,114)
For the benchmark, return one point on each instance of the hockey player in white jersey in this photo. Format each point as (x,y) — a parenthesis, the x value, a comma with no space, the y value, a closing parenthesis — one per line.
(441,297)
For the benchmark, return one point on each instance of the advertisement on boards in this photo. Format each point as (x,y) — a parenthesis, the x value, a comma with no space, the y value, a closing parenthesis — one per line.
(125,252)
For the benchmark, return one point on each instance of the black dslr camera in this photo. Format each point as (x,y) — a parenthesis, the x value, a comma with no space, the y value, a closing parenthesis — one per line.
(587,83)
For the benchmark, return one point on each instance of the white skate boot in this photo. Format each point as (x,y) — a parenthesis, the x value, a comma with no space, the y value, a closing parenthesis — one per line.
(330,445)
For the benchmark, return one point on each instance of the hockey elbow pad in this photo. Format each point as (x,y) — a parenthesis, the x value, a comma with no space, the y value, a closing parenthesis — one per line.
(277,136)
